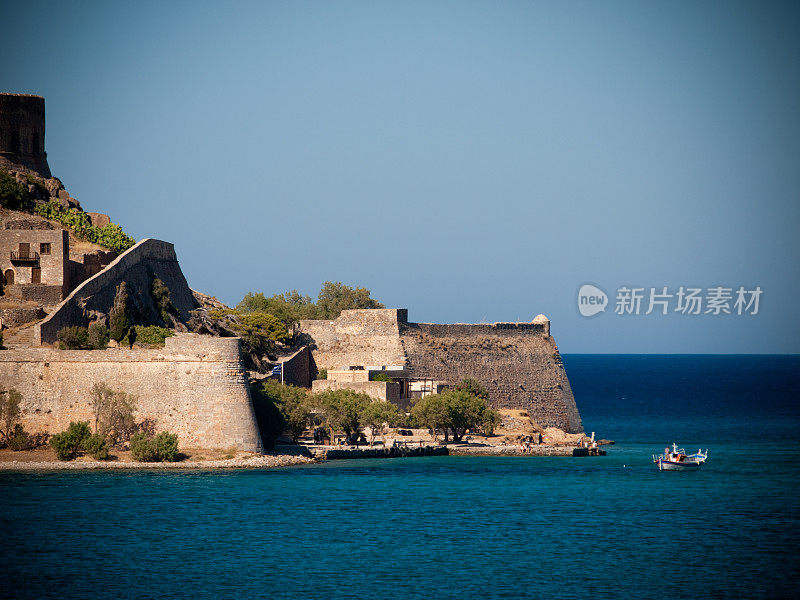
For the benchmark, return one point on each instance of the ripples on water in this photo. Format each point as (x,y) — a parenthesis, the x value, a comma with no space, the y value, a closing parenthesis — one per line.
(609,527)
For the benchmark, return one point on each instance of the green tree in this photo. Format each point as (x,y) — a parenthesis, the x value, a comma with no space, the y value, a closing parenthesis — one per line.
(491,419)
(160,293)
(119,318)
(431,412)
(376,415)
(343,409)
(288,307)
(9,412)
(473,387)
(334,297)
(454,411)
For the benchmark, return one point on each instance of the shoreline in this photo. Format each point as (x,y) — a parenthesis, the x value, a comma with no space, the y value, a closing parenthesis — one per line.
(293,457)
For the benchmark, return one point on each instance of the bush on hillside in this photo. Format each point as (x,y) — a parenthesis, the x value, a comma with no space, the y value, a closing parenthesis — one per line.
(151,335)
(13,195)
(97,336)
(111,236)
(73,338)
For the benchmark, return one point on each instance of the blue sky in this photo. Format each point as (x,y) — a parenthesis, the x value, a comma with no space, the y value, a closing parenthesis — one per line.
(472,161)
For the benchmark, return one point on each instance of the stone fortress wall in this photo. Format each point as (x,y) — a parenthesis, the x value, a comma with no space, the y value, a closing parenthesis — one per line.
(196,386)
(137,267)
(518,363)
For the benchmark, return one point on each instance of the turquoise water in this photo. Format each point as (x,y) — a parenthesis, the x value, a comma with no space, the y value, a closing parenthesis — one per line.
(451,527)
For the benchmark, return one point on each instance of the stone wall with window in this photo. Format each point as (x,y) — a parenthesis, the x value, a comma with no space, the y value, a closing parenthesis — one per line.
(34,263)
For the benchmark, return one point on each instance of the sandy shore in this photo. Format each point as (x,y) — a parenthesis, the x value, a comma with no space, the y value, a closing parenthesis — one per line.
(266,461)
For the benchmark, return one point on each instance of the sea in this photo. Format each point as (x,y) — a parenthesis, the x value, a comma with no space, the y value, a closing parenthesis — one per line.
(455,527)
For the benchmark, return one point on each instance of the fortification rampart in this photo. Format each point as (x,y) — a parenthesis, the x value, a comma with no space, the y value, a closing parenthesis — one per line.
(196,386)
(138,266)
(518,363)
(358,337)
(519,366)
(22,132)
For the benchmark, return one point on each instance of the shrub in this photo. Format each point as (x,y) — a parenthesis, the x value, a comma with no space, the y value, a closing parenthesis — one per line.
(96,446)
(97,336)
(380,377)
(322,373)
(161,448)
(67,443)
(73,338)
(19,439)
(111,236)
(151,335)
(13,194)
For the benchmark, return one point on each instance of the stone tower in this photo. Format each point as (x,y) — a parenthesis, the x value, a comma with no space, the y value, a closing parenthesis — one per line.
(22,132)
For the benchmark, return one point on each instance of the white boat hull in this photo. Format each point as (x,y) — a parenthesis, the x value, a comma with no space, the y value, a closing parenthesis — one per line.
(665,465)
(678,460)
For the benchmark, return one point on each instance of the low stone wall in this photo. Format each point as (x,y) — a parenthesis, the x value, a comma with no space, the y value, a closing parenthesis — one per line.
(12,317)
(387,391)
(138,266)
(46,295)
(196,386)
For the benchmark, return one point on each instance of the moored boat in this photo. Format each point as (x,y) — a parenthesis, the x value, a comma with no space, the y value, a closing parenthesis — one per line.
(677,459)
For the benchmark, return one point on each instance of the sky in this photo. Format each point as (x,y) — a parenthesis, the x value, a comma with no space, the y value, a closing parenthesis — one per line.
(470,161)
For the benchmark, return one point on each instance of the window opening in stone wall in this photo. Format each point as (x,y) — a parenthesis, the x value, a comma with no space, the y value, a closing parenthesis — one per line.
(44,248)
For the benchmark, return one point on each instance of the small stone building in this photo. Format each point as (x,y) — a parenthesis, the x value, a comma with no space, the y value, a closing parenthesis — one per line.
(34,262)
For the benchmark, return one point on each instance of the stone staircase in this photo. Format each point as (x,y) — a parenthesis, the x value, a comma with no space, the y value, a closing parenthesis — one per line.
(18,338)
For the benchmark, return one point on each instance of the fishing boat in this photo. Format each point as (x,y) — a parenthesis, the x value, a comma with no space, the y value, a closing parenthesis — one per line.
(677,459)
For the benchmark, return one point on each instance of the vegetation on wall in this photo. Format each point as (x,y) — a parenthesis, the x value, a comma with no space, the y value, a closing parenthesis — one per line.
(259,331)
(290,307)
(111,236)
(13,194)
(150,335)
(94,337)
